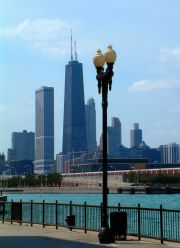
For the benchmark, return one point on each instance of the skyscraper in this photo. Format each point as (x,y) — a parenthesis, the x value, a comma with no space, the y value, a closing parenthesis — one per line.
(23,145)
(44,137)
(11,154)
(114,135)
(74,126)
(135,135)
(170,153)
(91,126)
(2,163)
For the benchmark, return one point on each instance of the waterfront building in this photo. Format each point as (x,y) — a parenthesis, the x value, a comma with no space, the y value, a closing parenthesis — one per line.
(91,126)
(2,163)
(135,136)
(114,164)
(74,126)
(170,153)
(143,151)
(11,155)
(60,162)
(114,135)
(44,136)
(23,167)
(22,145)
(152,154)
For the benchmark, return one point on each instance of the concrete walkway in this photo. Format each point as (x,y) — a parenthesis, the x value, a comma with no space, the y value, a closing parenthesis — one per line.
(25,236)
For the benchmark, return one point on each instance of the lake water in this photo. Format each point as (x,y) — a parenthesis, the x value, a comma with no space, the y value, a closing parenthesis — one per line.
(170,201)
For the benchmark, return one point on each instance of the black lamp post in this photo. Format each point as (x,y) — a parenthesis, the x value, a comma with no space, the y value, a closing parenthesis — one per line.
(104,79)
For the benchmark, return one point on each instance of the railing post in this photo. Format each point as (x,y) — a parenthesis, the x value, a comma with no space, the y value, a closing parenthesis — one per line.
(139,222)
(85,220)
(101,209)
(70,213)
(20,221)
(3,217)
(119,206)
(56,214)
(161,224)
(11,211)
(31,212)
(43,217)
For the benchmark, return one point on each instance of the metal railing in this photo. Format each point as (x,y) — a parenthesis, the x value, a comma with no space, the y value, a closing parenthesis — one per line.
(155,223)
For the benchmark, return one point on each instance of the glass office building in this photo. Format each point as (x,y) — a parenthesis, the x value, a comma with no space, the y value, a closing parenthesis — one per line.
(44,135)
(74,126)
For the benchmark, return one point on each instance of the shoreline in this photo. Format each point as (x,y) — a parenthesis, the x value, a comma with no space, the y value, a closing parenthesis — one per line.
(54,190)
(92,190)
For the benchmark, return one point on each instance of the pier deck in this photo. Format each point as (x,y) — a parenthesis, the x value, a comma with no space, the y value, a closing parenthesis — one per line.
(34,237)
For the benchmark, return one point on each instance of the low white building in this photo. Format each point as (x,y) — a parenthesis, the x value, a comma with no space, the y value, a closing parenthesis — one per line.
(170,153)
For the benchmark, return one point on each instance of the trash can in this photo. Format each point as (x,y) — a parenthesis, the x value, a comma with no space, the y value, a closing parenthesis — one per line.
(70,219)
(118,224)
(16,211)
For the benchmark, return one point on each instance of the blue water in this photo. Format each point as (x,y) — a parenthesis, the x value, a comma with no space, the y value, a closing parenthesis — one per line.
(150,201)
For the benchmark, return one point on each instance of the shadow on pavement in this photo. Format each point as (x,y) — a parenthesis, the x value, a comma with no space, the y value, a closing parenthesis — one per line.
(41,242)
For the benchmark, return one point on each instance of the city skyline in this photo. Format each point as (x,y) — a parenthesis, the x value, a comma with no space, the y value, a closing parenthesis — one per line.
(35,46)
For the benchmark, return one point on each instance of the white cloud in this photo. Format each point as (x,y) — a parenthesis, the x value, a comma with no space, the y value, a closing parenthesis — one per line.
(50,36)
(38,30)
(154,85)
(169,54)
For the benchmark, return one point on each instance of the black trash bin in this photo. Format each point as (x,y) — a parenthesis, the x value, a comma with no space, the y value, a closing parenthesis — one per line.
(118,224)
(70,219)
(16,213)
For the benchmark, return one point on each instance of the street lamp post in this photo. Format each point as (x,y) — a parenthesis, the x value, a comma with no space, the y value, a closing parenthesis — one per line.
(104,79)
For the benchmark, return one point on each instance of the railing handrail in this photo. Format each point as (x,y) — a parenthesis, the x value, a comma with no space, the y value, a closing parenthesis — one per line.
(95,205)
(157,223)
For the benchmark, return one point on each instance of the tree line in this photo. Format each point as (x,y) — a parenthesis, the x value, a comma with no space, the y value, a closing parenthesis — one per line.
(160,178)
(32,180)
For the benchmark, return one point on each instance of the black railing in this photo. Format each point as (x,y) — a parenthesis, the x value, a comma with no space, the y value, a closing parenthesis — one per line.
(155,223)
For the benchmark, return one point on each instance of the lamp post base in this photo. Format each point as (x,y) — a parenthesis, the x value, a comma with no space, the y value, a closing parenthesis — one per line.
(105,236)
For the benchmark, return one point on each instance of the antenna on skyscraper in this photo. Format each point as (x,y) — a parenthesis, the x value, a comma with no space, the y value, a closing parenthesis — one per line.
(75,51)
(71,47)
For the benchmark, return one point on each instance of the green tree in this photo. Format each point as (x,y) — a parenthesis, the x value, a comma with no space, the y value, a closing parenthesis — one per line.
(30,180)
(131,177)
(161,178)
(15,181)
(54,178)
(41,179)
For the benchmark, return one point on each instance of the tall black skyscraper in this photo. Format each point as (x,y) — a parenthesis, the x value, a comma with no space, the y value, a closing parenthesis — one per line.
(74,127)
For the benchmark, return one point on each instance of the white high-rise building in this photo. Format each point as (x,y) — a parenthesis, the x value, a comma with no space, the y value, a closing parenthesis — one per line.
(135,136)
(60,159)
(91,126)
(170,153)
(44,135)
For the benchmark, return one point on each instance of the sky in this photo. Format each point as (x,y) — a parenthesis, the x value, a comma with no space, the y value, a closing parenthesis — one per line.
(35,47)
